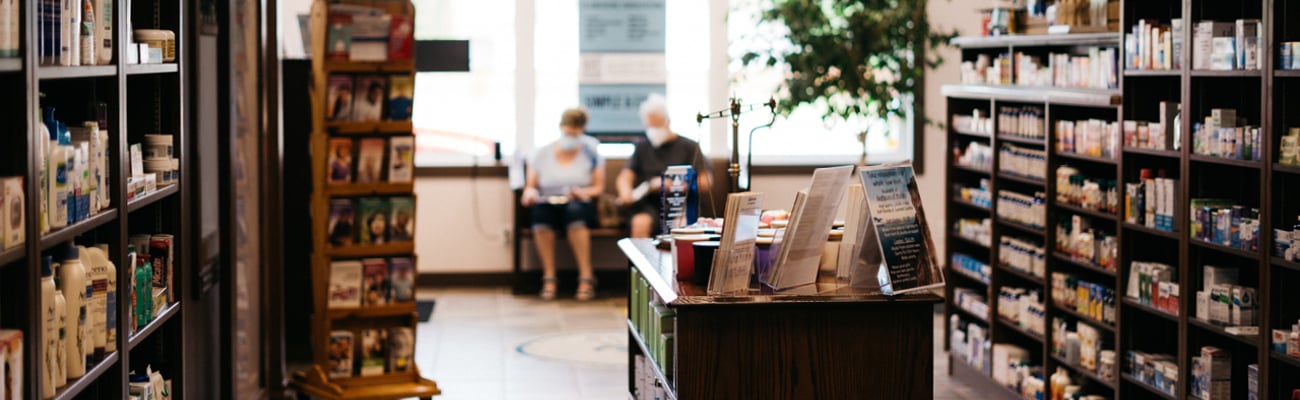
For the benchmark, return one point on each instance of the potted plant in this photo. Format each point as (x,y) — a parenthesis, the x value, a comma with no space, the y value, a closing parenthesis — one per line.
(853,58)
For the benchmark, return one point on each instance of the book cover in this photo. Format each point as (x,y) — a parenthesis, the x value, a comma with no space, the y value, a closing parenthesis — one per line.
(401,283)
(374,351)
(401,38)
(339,98)
(339,45)
(368,98)
(345,284)
(343,217)
(340,354)
(401,348)
(369,37)
(370,160)
(401,159)
(401,97)
(374,220)
(376,281)
(340,160)
(402,227)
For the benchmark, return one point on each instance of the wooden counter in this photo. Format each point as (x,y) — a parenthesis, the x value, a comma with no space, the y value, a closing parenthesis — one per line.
(823,342)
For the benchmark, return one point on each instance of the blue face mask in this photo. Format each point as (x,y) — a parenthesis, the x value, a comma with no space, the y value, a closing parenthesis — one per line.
(567,142)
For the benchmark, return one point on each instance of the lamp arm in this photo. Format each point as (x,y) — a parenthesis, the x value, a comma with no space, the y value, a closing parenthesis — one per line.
(749,151)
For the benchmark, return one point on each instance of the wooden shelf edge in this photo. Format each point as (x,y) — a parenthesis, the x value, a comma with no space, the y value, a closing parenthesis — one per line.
(1036,94)
(971,315)
(1015,326)
(12,255)
(365,251)
(384,311)
(146,199)
(1153,152)
(1087,158)
(1150,231)
(1284,168)
(1207,326)
(11,64)
(381,127)
(71,232)
(1022,140)
(1253,164)
(967,275)
(1023,275)
(1225,249)
(969,240)
(1083,318)
(1022,179)
(1087,211)
(1231,73)
(313,382)
(1073,39)
(1078,369)
(1153,72)
(72,390)
(1130,379)
(1291,265)
(645,350)
(365,189)
(153,326)
(1081,264)
(1294,362)
(1131,302)
(1021,226)
(972,169)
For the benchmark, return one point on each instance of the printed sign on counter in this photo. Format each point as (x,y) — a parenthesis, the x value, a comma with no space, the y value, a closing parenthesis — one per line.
(907,261)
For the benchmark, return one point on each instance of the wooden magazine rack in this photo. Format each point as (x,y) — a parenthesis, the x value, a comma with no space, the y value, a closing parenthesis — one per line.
(315,381)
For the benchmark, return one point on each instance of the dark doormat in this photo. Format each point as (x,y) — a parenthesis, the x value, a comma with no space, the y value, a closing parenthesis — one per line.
(424,308)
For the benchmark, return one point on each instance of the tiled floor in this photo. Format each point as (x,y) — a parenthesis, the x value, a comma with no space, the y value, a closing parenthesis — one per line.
(471,347)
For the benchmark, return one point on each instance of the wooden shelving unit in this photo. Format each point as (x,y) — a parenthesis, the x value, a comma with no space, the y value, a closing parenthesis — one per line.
(1260,96)
(138,100)
(315,381)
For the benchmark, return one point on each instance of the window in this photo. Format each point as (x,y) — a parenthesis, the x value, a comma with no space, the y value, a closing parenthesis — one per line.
(804,137)
(461,115)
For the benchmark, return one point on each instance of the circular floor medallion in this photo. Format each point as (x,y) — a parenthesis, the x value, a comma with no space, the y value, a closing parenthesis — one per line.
(595,348)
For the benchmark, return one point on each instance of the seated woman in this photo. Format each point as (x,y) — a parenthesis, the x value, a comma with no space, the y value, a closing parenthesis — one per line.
(564,179)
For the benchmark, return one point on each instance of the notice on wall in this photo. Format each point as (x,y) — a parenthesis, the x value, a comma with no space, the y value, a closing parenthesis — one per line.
(615,108)
(621,43)
(622,26)
(902,239)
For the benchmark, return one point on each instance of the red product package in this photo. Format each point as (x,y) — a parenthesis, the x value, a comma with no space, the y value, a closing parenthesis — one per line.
(338,45)
(401,38)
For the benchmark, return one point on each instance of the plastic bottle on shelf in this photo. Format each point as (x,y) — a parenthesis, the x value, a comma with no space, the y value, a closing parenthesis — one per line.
(1059,381)
(50,336)
(72,274)
(61,336)
(100,254)
(143,290)
(56,167)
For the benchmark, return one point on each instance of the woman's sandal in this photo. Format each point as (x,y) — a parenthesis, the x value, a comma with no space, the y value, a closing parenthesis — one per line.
(548,288)
(586,289)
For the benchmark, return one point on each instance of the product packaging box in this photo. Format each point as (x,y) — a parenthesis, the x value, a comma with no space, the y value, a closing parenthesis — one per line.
(1243,306)
(1218,276)
(1252,382)
(1220,303)
(14,222)
(1279,340)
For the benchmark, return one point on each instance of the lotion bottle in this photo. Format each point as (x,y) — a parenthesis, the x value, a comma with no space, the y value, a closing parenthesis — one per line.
(50,336)
(56,175)
(61,332)
(72,274)
(110,300)
(104,38)
(99,310)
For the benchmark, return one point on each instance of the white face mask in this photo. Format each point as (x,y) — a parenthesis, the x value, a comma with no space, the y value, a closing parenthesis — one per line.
(567,142)
(657,135)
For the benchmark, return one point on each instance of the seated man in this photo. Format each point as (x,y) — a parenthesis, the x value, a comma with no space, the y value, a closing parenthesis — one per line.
(661,149)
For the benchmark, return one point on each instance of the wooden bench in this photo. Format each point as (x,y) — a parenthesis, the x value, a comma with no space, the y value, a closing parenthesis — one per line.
(610,263)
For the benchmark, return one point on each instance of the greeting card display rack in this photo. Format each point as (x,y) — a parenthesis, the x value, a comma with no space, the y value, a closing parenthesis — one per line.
(315,381)
(1259,95)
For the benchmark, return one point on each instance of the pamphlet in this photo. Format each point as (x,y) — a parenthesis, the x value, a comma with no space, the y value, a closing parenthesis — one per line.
(855,225)
(735,260)
(906,250)
(810,226)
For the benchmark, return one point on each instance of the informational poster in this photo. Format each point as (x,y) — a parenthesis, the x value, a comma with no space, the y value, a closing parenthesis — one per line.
(907,262)
(621,43)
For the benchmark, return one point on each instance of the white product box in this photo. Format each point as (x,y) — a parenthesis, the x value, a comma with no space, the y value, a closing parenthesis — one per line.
(14,226)
(1243,306)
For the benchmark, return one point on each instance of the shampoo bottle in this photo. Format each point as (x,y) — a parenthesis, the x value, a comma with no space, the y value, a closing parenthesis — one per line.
(43,178)
(72,275)
(99,312)
(131,260)
(61,334)
(50,336)
(56,163)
